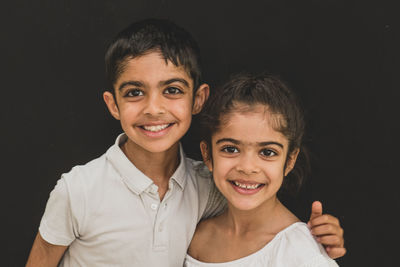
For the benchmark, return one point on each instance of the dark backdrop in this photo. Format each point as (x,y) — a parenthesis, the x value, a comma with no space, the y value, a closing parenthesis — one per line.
(340,56)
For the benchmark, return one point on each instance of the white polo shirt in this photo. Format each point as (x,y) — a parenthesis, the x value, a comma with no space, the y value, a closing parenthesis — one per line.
(109,213)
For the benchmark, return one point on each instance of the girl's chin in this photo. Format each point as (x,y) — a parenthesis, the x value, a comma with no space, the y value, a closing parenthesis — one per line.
(245,205)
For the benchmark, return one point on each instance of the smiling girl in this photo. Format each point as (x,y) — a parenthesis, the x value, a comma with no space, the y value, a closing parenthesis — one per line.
(255,129)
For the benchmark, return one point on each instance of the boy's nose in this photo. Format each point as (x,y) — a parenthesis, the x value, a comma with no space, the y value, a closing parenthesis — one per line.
(154,105)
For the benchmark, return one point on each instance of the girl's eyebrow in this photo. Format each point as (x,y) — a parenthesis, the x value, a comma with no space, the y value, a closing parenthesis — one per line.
(269,143)
(237,142)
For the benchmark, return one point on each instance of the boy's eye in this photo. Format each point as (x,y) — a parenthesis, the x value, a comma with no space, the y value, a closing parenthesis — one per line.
(134,93)
(230,149)
(172,91)
(268,153)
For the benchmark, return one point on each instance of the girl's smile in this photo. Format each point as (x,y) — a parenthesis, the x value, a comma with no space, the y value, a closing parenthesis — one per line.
(248,157)
(246,187)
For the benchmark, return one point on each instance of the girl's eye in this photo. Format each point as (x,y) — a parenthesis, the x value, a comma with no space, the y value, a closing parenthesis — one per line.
(172,91)
(134,93)
(268,153)
(230,149)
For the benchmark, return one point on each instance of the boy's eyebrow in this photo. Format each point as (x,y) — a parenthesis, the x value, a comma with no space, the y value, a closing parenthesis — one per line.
(162,83)
(180,80)
(134,83)
(237,142)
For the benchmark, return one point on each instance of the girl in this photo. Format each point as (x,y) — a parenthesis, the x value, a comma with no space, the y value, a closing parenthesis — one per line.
(255,129)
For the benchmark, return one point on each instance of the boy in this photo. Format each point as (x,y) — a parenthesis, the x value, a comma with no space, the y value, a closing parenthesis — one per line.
(139,203)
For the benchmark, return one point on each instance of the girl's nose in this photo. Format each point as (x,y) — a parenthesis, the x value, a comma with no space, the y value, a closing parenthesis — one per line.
(248,164)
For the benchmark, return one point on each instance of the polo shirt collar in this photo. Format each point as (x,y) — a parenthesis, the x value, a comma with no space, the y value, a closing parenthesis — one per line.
(180,173)
(137,181)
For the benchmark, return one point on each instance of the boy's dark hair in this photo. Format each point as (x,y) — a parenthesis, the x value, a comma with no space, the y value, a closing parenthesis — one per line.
(268,90)
(174,43)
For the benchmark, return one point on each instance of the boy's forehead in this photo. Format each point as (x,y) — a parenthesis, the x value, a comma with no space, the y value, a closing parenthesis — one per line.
(152,68)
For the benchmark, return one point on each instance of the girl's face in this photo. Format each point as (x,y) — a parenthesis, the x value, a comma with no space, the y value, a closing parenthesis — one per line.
(248,157)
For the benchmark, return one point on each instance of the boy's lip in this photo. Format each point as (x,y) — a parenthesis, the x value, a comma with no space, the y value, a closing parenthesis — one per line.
(155,129)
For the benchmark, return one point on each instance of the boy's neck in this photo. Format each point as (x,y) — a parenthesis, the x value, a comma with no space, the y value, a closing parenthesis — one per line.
(159,167)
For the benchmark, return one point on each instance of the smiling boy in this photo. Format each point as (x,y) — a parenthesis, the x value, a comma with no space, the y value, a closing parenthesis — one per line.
(154,102)
(139,203)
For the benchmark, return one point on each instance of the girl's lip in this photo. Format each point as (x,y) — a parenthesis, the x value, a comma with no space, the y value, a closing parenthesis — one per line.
(245,182)
(247,191)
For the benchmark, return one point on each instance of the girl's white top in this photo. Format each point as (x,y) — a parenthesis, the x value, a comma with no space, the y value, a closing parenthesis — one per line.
(293,246)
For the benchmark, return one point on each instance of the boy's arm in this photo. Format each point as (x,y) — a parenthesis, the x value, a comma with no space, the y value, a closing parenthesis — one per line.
(216,203)
(44,254)
(327,230)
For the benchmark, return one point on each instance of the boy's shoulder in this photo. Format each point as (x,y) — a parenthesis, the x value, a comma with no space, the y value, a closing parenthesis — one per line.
(199,169)
(87,172)
(109,163)
(90,172)
(199,174)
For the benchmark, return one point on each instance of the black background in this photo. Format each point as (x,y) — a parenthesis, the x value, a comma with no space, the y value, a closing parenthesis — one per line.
(342,57)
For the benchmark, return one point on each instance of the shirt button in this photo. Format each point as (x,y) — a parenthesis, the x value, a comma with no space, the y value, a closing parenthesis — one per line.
(153,190)
(154,206)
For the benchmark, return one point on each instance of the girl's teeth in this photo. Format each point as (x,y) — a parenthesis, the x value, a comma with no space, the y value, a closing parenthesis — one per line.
(155,128)
(244,186)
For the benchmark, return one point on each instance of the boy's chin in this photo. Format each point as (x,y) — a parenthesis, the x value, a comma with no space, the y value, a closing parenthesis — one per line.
(162,149)
(153,147)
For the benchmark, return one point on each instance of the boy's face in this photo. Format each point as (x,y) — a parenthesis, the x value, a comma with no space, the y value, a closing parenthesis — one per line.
(154,102)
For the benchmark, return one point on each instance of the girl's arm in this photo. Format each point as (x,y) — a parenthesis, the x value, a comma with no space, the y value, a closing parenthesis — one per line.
(327,230)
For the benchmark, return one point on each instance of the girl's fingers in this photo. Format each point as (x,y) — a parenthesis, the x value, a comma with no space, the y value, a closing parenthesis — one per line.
(335,252)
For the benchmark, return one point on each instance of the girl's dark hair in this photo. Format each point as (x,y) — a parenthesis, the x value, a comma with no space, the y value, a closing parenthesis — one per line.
(268,90)
(174,43)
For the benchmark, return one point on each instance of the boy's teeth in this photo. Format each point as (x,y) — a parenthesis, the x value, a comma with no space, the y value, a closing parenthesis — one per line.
(246,186)
(155,128)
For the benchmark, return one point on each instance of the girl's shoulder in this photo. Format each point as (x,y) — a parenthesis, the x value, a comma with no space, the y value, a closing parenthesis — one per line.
(205,232)
(297,244)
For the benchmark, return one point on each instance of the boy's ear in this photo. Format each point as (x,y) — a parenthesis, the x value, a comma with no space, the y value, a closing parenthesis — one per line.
(291,161)
(111,104)
(200,98)
(205,153)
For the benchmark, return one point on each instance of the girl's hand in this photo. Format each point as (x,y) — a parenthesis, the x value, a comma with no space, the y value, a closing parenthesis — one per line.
(326,228)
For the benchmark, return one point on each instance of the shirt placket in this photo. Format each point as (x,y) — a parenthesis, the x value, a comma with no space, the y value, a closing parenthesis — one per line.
(161,227)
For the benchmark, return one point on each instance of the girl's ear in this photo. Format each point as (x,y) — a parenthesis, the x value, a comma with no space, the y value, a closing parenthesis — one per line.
(206,154)
(291,161)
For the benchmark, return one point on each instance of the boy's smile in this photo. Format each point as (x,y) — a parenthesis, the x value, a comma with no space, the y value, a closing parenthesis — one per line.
(154,102)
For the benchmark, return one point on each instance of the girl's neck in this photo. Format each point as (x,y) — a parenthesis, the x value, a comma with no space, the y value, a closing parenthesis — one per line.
(269,217)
